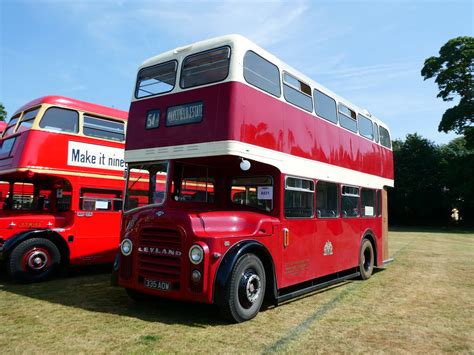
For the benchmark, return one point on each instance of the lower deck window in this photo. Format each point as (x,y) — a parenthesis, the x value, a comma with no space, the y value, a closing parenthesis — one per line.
(93,199)
(299,198)
(350,201)
(367,202)
(253,191)
(327,200)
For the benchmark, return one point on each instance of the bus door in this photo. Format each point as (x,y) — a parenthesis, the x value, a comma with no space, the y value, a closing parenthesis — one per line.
(299,232)
(97,223)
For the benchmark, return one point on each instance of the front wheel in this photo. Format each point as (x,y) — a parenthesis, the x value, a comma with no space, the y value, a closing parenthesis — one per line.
(34,260)
(366,259)
(246,289)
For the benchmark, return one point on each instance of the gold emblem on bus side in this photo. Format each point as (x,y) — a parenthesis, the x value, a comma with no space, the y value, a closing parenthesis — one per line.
(328,248)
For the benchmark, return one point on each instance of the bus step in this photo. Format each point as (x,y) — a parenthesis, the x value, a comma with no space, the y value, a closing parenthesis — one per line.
(286,297)
(388,261)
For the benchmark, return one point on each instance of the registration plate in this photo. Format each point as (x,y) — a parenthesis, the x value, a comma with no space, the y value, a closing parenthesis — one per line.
(157,285)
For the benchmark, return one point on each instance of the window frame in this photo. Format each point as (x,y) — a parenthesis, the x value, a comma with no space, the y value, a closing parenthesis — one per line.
(298,90)
(316,106)
(359,115)
(201,53)
(137,87)
(376,133)
(350,195)
(388,135)
(95,190)
(78,129)
(88,115)
(300,190)
(151,183)
(9,125)
(374,192)
(339,112)
(249,177)
(338,199)
(271,64)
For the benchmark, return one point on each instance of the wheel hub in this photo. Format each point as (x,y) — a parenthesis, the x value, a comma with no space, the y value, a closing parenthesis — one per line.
(253,288)
(250,287)
(37,260)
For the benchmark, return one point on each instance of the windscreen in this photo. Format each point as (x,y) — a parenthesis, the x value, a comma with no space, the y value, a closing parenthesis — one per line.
(146,184)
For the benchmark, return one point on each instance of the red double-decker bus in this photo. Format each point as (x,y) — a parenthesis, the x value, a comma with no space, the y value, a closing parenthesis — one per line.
(261,183)
(61,173)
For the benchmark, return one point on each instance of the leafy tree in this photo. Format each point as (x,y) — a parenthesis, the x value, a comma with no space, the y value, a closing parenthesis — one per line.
(453,70)
(419,193)
(3,113)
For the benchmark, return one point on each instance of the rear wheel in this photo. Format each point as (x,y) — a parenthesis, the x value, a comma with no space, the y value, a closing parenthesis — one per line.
(34,260)
(246,289)
(366,259)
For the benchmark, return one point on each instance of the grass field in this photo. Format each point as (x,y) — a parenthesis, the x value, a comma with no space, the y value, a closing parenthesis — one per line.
(421,303)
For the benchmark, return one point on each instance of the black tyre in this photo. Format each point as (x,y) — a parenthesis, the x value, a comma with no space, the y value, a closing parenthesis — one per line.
(245,290)
(34,260)
(366,259)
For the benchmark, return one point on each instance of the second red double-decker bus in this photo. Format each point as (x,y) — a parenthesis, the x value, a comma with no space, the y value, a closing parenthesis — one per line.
(261,183)
(61,173)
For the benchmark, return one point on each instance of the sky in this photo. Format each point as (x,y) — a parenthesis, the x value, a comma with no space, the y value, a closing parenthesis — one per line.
(369,52)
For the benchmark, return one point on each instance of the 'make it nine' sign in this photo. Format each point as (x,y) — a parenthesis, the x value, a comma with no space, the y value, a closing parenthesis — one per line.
(95,156)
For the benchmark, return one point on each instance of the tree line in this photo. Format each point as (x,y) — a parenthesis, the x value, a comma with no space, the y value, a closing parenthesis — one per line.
(434,184)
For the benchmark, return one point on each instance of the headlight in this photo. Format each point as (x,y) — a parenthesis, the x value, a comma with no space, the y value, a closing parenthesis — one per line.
(126,247)
(196,254)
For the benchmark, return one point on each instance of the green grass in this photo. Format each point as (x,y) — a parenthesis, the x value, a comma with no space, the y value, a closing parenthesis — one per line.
(423,302)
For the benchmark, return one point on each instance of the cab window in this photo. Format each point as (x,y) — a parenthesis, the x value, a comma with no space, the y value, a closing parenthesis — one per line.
(253,191)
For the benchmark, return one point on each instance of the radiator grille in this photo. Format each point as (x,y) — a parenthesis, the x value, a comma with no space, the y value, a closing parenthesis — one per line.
(160,253)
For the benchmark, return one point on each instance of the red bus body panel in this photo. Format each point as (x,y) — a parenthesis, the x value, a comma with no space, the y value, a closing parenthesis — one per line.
(235,111)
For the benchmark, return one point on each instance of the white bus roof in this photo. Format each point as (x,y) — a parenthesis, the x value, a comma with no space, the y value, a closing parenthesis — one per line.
(237,41)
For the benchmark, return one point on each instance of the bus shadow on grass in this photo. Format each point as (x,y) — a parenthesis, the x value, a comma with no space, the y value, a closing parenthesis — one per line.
(89,289)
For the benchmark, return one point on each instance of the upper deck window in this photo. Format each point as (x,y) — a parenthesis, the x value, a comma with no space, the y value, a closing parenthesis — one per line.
(385,137)
(325,106)
(347,118)
(11,125)
(297,92)
(101,128)
(205,68)
(366,128)
(376,132)
(262,73)
(157,79)
(61,120)
(27,120)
